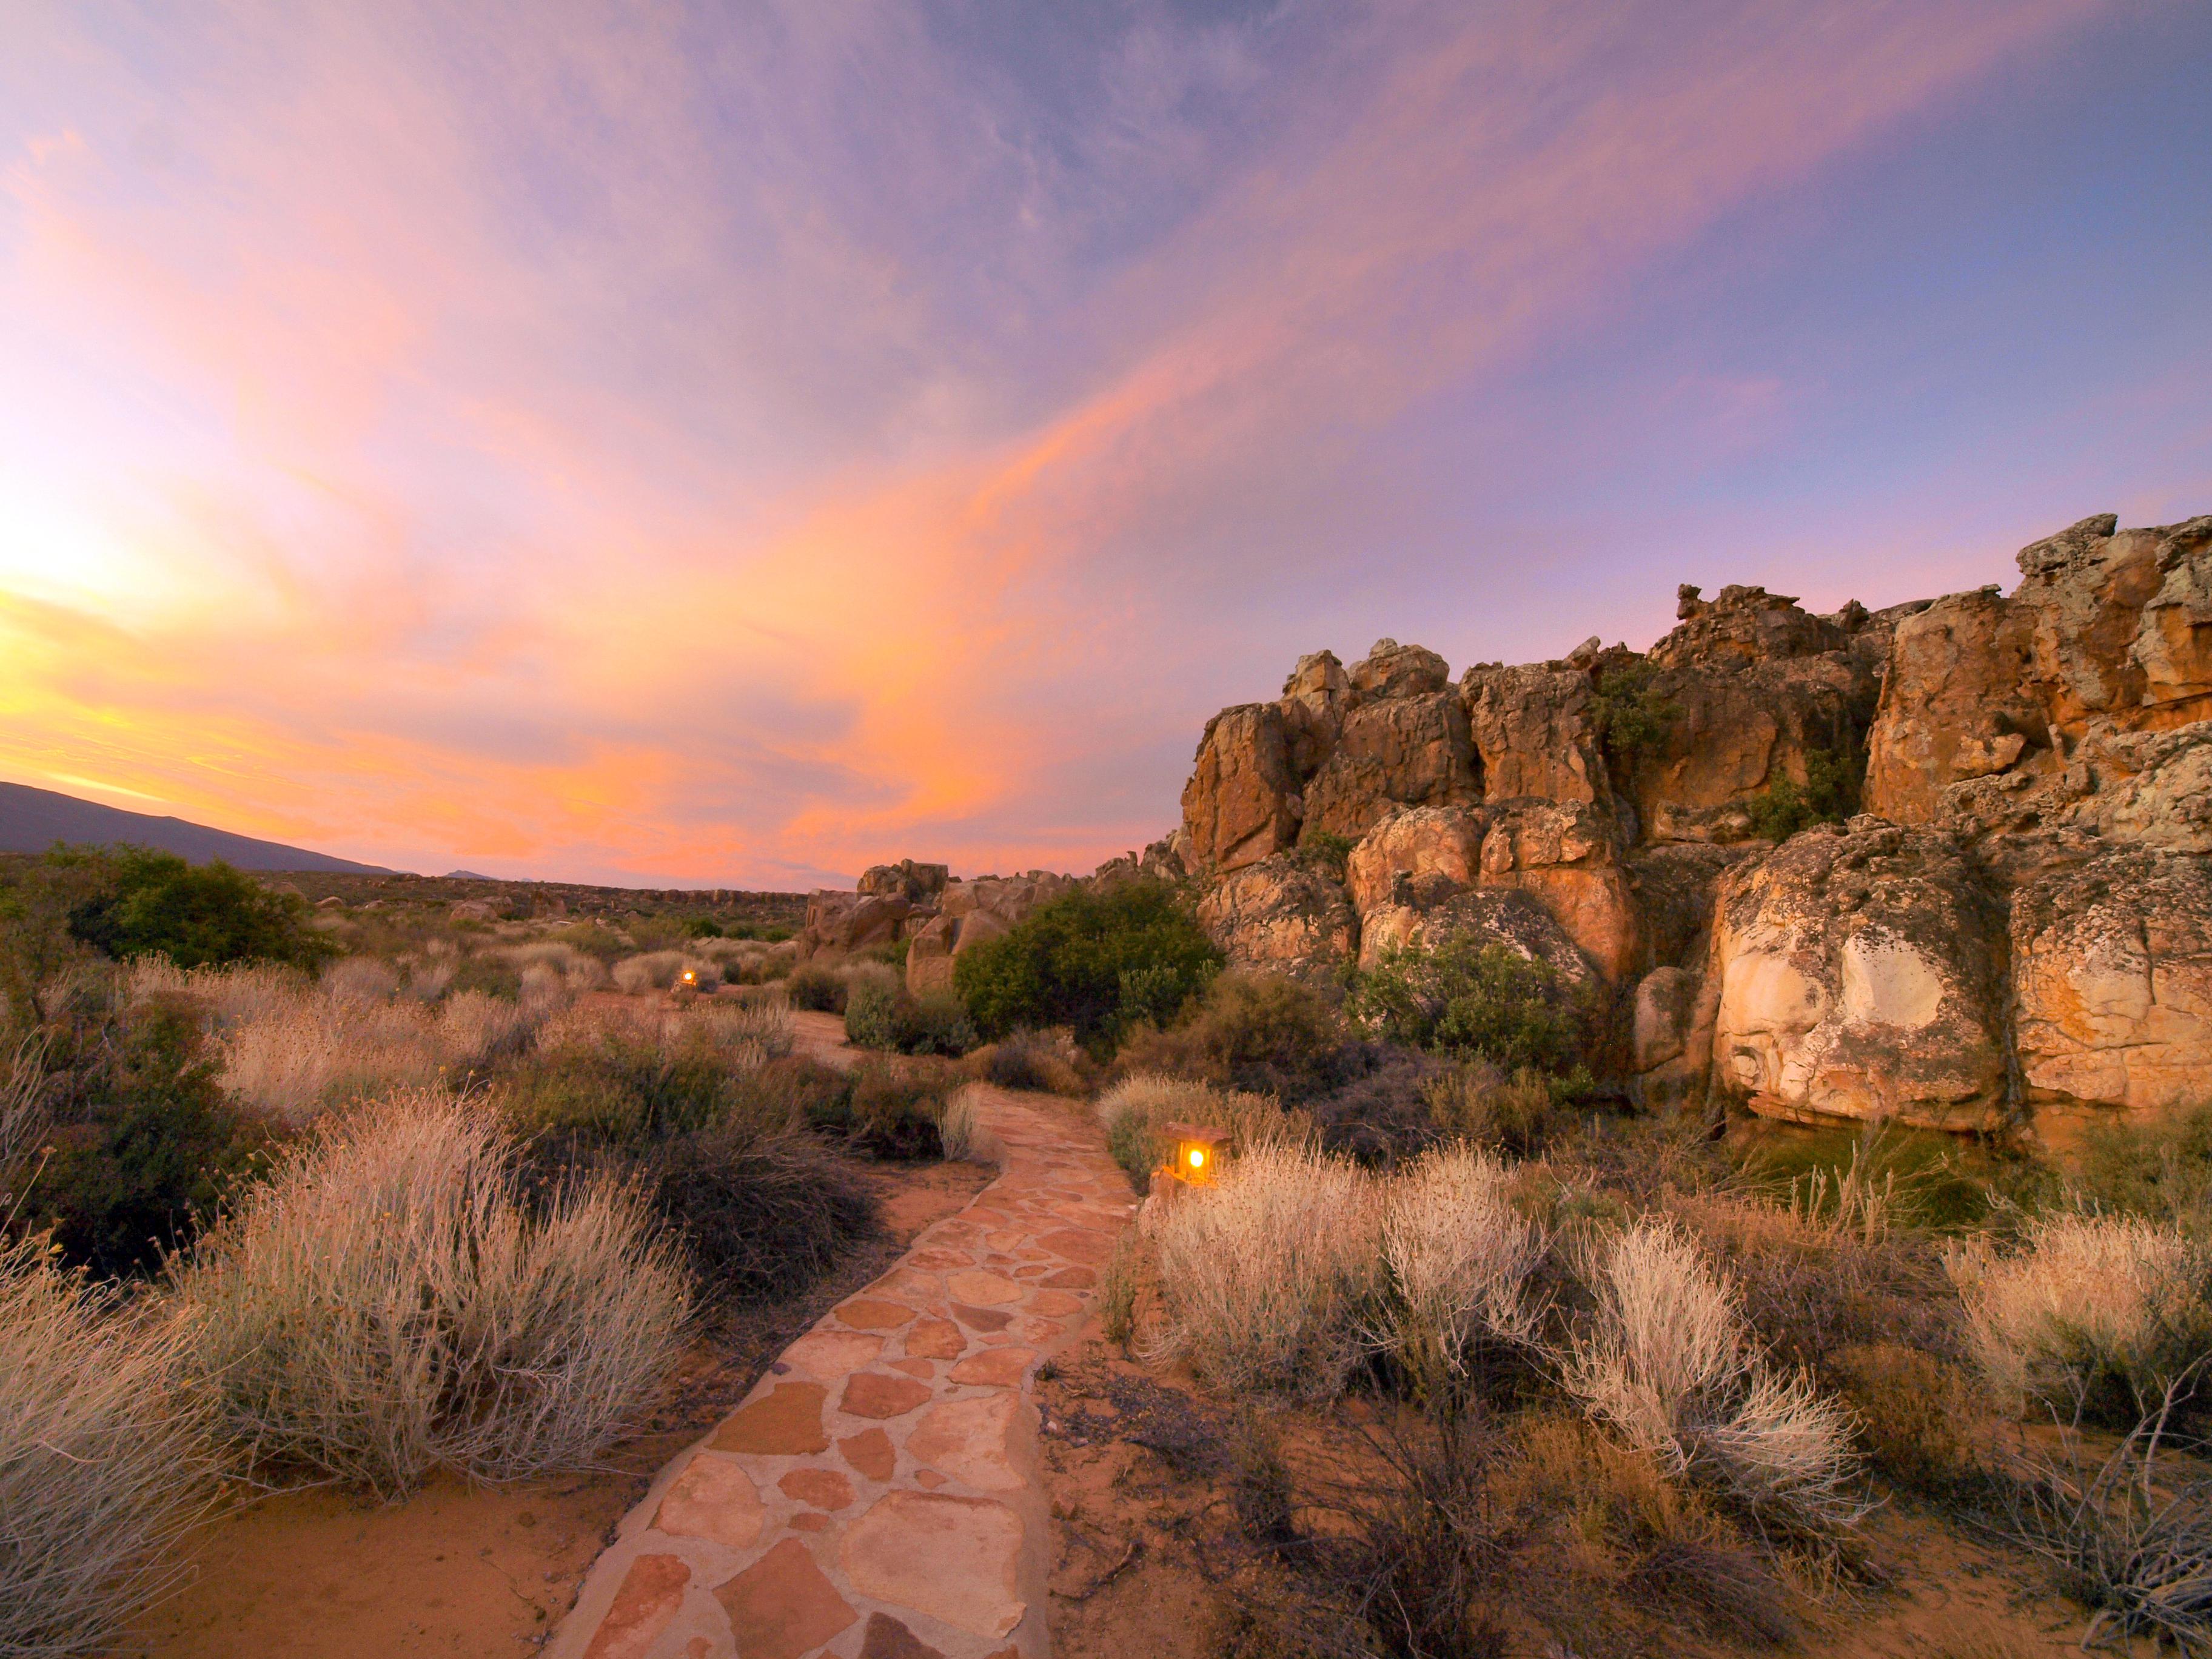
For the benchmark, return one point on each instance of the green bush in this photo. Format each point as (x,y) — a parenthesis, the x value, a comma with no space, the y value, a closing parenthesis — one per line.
(621,1091)
(1326,851)
(149,1149)
(150,903)
(1632,715)
(1256,1031)
(937,1023)
(1829,795)
(2163,1172)
(886,1110)
(1096,962)
(814,987)
(871,1013)
(1470,998)
(493,975)
(880,1013)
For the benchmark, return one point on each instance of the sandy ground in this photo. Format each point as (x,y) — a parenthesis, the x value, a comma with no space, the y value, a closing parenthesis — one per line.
(475,1571)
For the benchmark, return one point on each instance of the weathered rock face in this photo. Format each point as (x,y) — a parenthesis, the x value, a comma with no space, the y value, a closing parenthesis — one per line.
(970,912)
(1859,975)
(1670,1038)
(1535,734)
(1237,807)
(1392,670)
(839,923)
(1673,890)
(1282,916)
(1561,853)
(2113,969)
(1411,751)
(1755,686)
(1494,915)
(1314,702)
(918,884)
(1956,704)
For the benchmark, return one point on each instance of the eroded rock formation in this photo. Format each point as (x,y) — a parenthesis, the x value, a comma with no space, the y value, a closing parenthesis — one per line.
(2019,917)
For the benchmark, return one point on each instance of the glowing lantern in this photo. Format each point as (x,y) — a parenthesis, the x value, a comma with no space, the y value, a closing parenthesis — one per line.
(1197,1153)
(691,980)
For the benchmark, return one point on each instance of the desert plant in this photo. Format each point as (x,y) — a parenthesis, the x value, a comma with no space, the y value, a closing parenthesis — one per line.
(872,1007)
(2163,1170)
(961,1131)
(386,1305)
(1829,795)
(139,1158)
(886,1109)
(155,903)
(1096,963)
(1265,1274)
(1045,1060)
(2091,1316)
(25,1116)
(1632,714)
(1258,1031)
(762,1212)
(2130,1539)
(1460,1259)
(104,1457)
(1668,1363)
(814,987)
(1472,998)
(1136,1111)
(1475,1102)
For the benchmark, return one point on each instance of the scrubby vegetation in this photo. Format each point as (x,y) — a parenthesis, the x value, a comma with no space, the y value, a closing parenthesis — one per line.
(1829,795)
(1624,1376)
(1098,964)
(364,1194)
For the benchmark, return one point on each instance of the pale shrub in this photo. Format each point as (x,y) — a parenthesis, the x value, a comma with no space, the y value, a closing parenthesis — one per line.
(765,1026)
(1669,1364)
(1265,1274)
(24,1119)
(364,979)
(104,1458)
(967,1140)
(231,996)
(1460,1259)
(295,1059)
(656,970)
(2086,1303)
(476,1029)
(1136,1111)
(386,1304)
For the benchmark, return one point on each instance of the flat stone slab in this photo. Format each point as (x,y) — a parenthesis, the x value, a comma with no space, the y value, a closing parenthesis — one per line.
(878,1494)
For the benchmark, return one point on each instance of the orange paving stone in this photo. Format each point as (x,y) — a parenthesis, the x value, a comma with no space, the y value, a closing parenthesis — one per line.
(915,1536)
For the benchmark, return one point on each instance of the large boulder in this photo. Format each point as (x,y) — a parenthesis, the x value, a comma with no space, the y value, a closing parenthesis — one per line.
(1859,975)
(839,923)
(1313,704)
(1956,704)
(1283,916)
(1492,915)
(1409,750)
(1535,731)
(1561,853)
(1752,686)
(918,884)
(1239,806)
(2112,973)
(1392,670)
(970,912)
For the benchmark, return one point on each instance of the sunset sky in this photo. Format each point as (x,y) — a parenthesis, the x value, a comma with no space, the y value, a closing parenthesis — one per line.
(736,443)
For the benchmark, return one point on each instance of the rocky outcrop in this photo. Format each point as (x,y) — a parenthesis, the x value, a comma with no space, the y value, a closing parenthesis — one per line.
(1860,974)
(2015,920)
(1400,750)
(2113,969)
(839,923)
(917,884)
(1535,731)
(1237,808)
(969,912)
(1283,916)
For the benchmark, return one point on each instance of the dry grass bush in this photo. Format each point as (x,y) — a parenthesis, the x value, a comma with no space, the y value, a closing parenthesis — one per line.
(387,1305)
(764,1211)
(961,1129)
(104,1457)
(1460,1259)
(657,970)
(1136,1111)
(1049,1062)
(1669,1364)
(812,986)
(1259,1032)
(25,1117)
(1474,1101)
(1265,1275)
(741,1027)
(362,978)
(1921,1416)
(2130,1538)
(2091,1316)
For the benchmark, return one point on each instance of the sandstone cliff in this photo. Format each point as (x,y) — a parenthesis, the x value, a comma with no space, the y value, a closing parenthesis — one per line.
(2006,908)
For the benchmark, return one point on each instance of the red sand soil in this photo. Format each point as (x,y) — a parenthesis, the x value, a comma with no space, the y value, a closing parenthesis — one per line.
(479,1572)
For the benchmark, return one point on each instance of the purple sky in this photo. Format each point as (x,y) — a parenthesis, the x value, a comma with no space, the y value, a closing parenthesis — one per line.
(735,444)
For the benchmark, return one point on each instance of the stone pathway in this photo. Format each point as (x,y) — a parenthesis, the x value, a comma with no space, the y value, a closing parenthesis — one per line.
(878,1495)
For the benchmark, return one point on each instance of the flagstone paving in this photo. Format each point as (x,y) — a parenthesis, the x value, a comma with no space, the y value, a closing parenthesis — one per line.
(879,1494)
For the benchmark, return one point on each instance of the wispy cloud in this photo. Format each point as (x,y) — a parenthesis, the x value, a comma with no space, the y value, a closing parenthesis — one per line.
(662,442)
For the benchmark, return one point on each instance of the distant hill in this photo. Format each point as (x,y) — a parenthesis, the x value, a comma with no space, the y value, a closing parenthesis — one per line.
(31,820)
